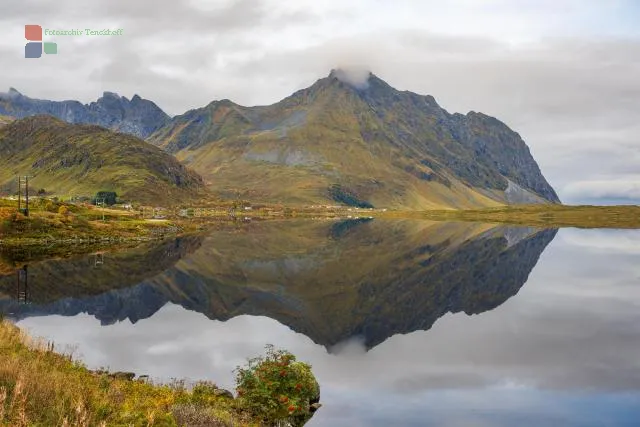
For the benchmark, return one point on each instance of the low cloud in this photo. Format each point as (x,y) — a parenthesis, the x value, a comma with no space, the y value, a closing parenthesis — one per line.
(357,77)
(614,189)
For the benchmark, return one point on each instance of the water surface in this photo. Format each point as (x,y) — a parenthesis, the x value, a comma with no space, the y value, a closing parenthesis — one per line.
(405,322)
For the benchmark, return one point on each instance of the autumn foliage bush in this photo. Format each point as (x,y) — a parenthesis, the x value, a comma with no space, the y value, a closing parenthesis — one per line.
(277,388)
(10,220)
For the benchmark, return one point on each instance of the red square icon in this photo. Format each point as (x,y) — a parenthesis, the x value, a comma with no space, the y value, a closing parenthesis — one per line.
(33,32)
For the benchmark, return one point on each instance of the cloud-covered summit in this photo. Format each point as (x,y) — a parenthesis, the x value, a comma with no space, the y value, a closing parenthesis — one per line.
(354,76)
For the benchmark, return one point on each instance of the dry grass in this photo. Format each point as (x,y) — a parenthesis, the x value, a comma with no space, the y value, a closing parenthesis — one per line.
(537,215)
(39,387)
(192,415)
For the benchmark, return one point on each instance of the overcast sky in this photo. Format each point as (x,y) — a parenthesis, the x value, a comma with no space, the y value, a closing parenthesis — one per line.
(565,74)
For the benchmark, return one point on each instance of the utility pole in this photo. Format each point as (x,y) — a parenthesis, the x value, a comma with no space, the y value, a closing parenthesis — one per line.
(23,285)
(100,202)
(99,259)
(25,179)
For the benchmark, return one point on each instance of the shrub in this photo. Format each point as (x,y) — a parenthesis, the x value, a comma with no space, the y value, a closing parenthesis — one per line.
(51,206)
(63,210)
(11,220)
(277,388)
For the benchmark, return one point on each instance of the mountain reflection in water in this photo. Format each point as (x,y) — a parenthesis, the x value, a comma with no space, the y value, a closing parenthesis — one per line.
(332,282)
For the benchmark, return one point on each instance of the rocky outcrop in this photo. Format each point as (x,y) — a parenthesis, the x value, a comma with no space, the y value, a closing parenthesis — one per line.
(138,117)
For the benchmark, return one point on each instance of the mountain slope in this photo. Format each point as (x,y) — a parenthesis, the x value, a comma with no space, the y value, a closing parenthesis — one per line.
(366,144)
(137,116)
(80,159)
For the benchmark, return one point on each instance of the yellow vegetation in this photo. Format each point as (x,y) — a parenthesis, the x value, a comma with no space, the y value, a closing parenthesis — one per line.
(39,387)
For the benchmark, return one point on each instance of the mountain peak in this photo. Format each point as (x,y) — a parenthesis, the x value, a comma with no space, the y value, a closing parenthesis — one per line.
(13,93)
(404,150)
(136,117)
(107,94)
(356,77)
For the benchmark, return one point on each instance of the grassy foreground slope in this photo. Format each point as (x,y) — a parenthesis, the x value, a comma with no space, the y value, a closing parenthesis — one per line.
(67,159)
(39,387)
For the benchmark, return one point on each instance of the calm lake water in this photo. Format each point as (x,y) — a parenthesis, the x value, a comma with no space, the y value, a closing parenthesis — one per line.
(406,323)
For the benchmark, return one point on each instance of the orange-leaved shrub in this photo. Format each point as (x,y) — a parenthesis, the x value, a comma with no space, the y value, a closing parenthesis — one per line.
(10,220)
(277,388)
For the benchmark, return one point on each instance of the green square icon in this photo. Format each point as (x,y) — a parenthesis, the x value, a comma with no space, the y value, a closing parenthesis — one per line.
(50,48)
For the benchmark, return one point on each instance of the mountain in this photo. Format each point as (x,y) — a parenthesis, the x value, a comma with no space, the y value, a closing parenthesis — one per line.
(330,281)
(363,144)
(138,117)
(83,159)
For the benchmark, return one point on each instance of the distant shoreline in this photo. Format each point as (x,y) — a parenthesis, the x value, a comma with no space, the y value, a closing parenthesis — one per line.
(548,215)
(75,225)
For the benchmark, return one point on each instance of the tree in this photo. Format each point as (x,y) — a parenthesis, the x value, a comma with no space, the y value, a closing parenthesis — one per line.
(277,388)
(109,197)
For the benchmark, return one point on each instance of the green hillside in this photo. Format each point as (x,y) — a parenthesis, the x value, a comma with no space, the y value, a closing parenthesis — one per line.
(68,160)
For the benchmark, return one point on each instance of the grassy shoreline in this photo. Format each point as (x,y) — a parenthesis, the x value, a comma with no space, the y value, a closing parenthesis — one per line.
(546,216)
(60,223)
(41,387)
(72,224)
